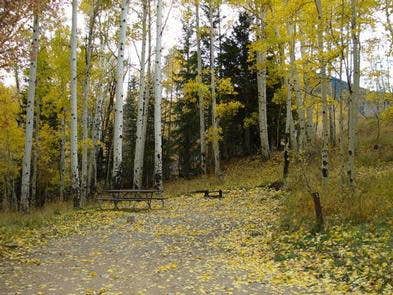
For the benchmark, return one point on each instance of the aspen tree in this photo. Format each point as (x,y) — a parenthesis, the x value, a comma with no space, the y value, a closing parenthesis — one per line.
(200,96)
(36,142)
(148,83)
(157,101)
(74,109)
(261,80)
(294,84)
(322,63)
(62,157)
(138,159)
(97,120)
(354,94)
(309,111)
(216,148)
(26,166)
(118,126)
(85,97)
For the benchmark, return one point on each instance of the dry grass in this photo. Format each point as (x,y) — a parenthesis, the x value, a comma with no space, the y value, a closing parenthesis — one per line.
(238,173)
(372,198)
(38,217)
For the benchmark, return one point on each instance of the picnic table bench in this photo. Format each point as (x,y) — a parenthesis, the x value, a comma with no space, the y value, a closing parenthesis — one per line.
(210,194)
(131,195)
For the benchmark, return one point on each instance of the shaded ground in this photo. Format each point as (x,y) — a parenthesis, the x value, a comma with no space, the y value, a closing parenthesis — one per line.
(178,249)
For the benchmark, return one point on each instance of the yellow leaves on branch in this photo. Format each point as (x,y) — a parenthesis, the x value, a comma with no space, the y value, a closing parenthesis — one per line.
(251,120)
(214,134)
(228,109)
(225,87)
(192,89)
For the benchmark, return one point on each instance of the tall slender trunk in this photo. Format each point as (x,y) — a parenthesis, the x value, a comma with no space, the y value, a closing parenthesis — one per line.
(294,82)
(309,111)
(216,147)
(36,141)
(138,160)
(62,158)
(147,86)
(289,124)
(354,95)
(200,96)
(325,122)
(288,138)
(97,120)
(74,109)
(331,107)
(85,98)
(262,107)
(157,102)
(26,166)
(118,126)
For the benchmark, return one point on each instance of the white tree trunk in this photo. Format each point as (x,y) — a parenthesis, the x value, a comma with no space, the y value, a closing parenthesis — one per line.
(36,142)
(323,79)
(62,158)
(26,167)
(98,117)
(262,106)
(354,95)
(85,119)
(309,128)
(200,96)
(216,147)
(147,87)
(294,82)
(138,160)
(289,124)
(157,102)
(118,126)
(74,109)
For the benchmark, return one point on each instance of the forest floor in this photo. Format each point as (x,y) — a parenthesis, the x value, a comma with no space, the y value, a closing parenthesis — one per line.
(190,246)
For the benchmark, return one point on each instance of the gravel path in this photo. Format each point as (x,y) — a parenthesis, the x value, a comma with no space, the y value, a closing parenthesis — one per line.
(162,251)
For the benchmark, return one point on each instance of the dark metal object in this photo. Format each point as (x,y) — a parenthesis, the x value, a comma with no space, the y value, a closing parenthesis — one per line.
(131,195)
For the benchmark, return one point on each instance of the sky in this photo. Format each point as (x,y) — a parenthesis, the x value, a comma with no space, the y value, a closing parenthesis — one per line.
(173,32)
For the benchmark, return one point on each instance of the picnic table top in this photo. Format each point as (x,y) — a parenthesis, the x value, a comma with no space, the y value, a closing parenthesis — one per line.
(132,191)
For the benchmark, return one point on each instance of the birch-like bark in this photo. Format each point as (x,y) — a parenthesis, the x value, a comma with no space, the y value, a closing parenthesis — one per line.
(309,111)
(147,86)
(85,116)
(288,138)
(325,122)
(97,121)
(26,166)
(62,159)
(216,148)
(74,109)
(36,141)
(289,124)
(354,95)
(118,126)
(294,82)
(262,107)
(331,107)
(138,160)
(200,95)
(157,102)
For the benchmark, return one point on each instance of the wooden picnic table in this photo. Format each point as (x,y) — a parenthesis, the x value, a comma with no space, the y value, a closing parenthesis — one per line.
(131,195)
